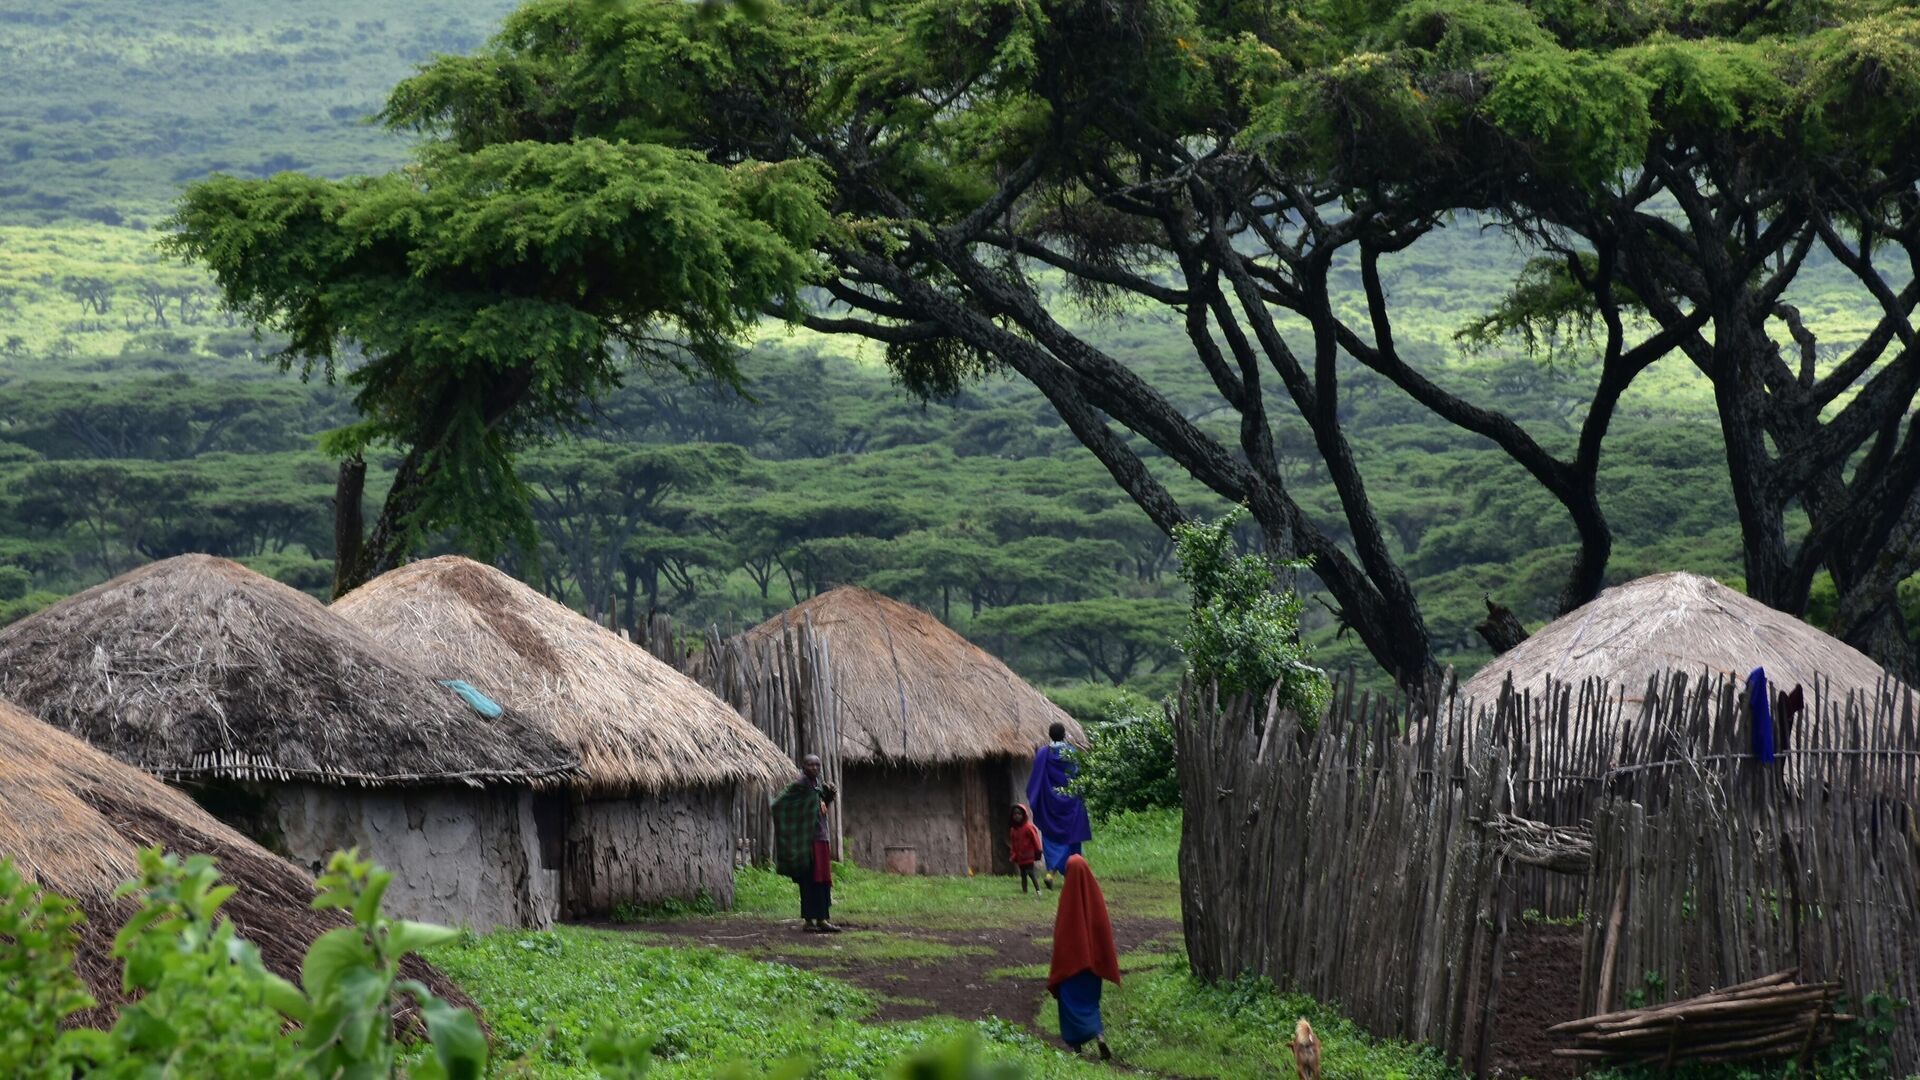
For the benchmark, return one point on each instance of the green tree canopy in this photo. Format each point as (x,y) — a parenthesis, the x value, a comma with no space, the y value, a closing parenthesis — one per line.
(477,300)
(1249,172)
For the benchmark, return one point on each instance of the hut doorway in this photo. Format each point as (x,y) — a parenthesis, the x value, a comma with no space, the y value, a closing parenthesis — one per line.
(550,827)
(988,815)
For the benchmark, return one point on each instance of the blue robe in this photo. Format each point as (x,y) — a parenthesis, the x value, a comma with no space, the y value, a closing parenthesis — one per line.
(1061,818)
(1080,1010)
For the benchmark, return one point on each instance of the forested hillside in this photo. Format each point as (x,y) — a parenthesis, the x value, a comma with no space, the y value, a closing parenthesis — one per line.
(139,421)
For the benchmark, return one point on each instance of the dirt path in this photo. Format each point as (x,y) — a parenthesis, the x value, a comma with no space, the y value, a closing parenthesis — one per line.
(912,973)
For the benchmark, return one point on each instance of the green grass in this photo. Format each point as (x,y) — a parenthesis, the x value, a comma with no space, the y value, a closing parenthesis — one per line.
(547,993)
(1164,1020)
(870,945)
(1135,856)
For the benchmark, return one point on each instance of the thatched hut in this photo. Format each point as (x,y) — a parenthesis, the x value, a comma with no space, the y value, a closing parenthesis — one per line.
(1677,623)
(299,729)
(74,820)
(650,817)
(936,735)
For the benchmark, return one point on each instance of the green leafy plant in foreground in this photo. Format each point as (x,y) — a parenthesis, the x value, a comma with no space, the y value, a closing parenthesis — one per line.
(205,1004)
(37,985)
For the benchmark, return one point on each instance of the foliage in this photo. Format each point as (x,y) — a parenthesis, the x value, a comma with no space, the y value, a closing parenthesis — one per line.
(205,1005)
(847,479)
(1129,762)
(474,290)
(38,988)
(1115,638)
(1243,633)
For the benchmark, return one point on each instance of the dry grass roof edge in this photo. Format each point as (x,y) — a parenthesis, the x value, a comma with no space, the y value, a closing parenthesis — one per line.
(636,723)
(74,821)
(912,690)
(196,667)
(1675,622)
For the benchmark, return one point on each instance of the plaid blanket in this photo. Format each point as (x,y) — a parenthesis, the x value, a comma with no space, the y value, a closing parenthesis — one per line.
(796,817)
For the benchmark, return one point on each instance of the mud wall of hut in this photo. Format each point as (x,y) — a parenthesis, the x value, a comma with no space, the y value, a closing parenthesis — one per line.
(643,851)
(953,817)
(459,856)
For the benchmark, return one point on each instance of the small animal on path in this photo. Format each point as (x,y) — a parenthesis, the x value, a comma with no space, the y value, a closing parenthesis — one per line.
(1306,1051)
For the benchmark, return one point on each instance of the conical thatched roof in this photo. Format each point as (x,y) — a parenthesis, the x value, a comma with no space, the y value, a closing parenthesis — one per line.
(1680,623)
(637,724)
(911,690)
(198,668)
(74,820)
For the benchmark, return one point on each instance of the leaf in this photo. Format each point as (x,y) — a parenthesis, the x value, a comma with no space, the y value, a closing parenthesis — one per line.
(367,908)
(332,955)
(458,1043)
(404,936)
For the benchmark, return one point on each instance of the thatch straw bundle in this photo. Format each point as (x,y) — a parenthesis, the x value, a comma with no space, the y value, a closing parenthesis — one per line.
(1675,623)
(74,820)
(911,690)
(637,724)
(198,668)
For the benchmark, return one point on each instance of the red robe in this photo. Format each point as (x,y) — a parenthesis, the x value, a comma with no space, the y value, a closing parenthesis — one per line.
(1082,931)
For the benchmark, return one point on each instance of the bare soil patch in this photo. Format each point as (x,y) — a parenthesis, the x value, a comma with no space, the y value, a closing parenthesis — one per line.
(958,983)
(1539,987)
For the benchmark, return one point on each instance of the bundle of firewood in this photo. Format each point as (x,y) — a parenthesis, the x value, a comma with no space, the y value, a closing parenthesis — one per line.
(1766,1018)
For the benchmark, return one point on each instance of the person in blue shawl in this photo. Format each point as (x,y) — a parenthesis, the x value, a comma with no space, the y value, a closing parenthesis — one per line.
(1060,814)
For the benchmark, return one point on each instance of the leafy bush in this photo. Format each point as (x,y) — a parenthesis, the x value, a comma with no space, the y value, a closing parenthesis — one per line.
(1129,762)
(206,1006)
(1243,634)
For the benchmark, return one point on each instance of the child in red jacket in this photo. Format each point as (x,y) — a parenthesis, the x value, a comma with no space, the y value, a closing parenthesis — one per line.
(1023,840)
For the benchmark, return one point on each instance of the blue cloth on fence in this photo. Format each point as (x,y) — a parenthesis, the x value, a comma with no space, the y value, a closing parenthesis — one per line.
(471,694)
(1762,716)
(1057,853)
(1080,1010)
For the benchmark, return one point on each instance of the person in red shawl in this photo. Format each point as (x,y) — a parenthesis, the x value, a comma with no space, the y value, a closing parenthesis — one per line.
(1023,846)
(1083,955)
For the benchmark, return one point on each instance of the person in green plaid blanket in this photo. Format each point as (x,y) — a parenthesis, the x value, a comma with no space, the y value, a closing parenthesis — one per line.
(800,844)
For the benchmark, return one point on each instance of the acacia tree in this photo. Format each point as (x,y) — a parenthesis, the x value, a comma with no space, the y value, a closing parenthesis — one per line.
(1693,165)
(477,301)
(1225,162)
(973,144)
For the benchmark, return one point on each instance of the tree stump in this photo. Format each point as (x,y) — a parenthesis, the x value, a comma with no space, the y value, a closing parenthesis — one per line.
(1502,629)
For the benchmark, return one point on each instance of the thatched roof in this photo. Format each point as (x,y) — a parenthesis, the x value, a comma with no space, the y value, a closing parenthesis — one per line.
(1680,623)
(637,724)
(198,668)
(74,820)
(911,690)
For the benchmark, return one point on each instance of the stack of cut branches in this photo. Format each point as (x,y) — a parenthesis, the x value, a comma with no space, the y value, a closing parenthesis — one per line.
(1566,849)
(1767,1018)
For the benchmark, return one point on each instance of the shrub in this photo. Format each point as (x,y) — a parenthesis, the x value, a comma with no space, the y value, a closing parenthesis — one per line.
(1243,634)
(206,1006)
(1129,762)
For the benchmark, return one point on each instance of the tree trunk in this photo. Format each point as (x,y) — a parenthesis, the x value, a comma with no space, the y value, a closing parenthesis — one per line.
(348,533)
(386,543)
(1502,628)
